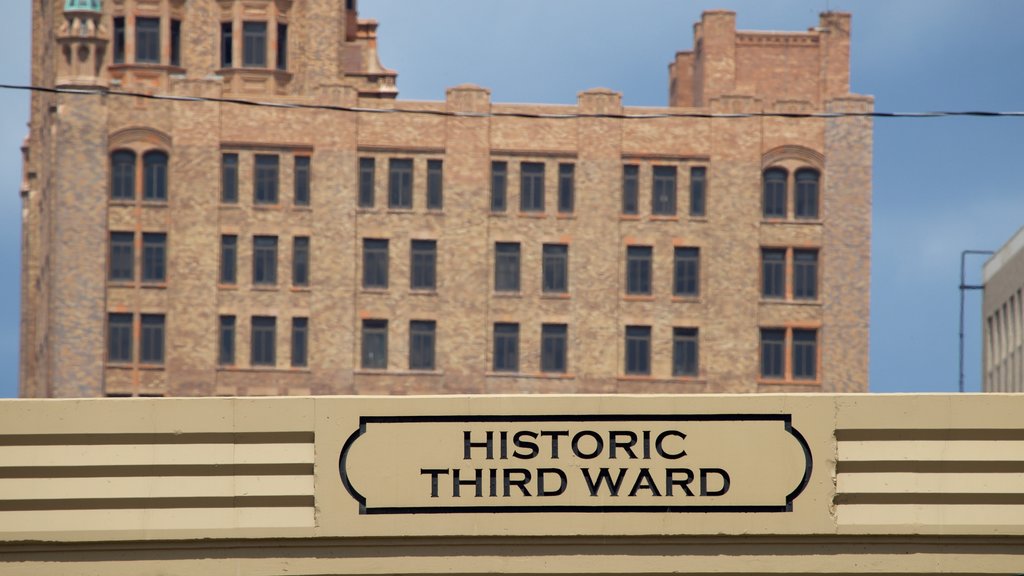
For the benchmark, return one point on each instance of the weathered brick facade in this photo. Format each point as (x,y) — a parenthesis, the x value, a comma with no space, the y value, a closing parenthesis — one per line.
(330,59)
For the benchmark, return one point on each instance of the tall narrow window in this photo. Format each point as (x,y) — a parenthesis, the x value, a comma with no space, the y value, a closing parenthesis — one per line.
(375,263)
(773,272)
(422,336)
(531,187)
(638,350)
(423,275)
(805,354)
(773,351)
(685,358)
(151,344)
(154,171)
(229,178)
(147,40)
(226,341)
(663,191)
(566,188)
(227,45)
(122,175)
(375,344)
(435,184)
(264,260)
(301,181)
(154,257)
(367,167)
(175,42)
(506,347)
(774,196)
(400,183)
(807,194)
(805,274)
(119,338)
(122,257)
(553,345)
(300,342)
(638,269)
(229,259)
(630,189)
(499,186)
(698,191)
(265,172)
(556,268)
(118,39)
(264,341)
(300,261)
(506,267)
(254,44)
(687,272)
(282,46)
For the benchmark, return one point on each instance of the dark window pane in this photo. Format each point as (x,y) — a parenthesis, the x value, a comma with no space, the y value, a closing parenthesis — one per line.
(400,183)
(302,181)
(435,185)
(264,260)
(638,349)
(805,274)
(375,344)
(118,39)
(698,191)
(506,267)
(638,269)
(282,46)
(499,186)
(663,191)
(119,338)
(122,256)
(566,187)
(773,273)
(807,194)
(805,354)
(553,344)
(375,263)
(264,338)
(226,341)
(774,193)
(154,168)
(300,342)
(685,349)
(367,167)
(175,42)
(423,275)
(227,47)
(421,344)
(152,339)
(300,261)
(229,178)
(506,347)
(154,257)
(265,172)
(229,259)
(556,268)
(122,175)
(630,189)
(687,272)
(773,350)
(254,44)
(147,40)
(531,187)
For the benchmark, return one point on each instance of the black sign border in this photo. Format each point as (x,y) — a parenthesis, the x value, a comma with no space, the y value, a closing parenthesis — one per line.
(786,419)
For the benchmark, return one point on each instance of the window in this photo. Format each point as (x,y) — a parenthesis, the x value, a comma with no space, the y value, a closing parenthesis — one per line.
(663,191)
(300,342)
(229,259)
(301,181)
(421,344)
(375,263)
(229,178)
(147,40)
(566,188)
(807,194)
(773,272)
(122,175)
(506,347)
(435,185)
(154,257)
(264,260)
(556,268)
(805,354)
(773,353)
(506,267)
(424,265)
(531,187)
(685,352)
(282,46)
(630,189)
(499,186)
(400,183)
(226,341)
(553,344)
(265,170)
(154,172)
(152,339)
(698,191)
(367,167)
(254,44)
(122,257)
(300,261)
(774,193)
(638,350)
(375,344)
(264,337)
(118,39)
(119,338)
(805,274)
(175,42)
(638,269)
(227,45)
(687,272)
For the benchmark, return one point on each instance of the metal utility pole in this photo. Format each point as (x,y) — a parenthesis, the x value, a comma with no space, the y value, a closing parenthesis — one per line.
(963,288)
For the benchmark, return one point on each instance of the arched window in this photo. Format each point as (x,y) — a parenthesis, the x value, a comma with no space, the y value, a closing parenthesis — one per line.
(154,174)
(807,193)
(774,197)
(122,175)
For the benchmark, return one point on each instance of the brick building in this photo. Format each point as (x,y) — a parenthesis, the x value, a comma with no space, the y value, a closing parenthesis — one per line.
(183,247)
(1003,313)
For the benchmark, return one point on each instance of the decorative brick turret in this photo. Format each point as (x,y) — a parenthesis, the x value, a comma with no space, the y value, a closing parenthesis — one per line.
(83,44)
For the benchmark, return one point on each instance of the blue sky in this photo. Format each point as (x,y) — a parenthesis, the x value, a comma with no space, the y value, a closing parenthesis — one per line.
(940,185)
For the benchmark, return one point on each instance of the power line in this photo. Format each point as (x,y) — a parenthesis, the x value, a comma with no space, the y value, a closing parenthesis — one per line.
(500,114)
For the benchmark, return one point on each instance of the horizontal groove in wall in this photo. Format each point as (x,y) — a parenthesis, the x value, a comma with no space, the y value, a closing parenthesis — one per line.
(157,503)
(144,454)
(861,435)
(932,466)
(156,470)
(937,499)
(153,438)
